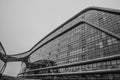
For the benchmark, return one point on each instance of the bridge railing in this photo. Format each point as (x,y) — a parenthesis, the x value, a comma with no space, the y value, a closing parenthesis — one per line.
(106,67)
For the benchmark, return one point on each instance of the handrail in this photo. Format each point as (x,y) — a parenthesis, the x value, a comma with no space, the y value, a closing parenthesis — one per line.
(77,63)
(75,73)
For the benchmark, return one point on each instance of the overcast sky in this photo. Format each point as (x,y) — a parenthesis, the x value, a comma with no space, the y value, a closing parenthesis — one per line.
(24,22)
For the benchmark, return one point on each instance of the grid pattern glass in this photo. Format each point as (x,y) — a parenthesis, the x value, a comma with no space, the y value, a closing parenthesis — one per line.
(83,42)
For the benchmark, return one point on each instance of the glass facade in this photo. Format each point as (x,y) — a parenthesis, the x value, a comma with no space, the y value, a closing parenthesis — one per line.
(79,42)
(83,42)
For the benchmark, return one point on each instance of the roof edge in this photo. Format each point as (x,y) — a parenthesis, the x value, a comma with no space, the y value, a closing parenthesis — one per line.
(115,11)
(79,13)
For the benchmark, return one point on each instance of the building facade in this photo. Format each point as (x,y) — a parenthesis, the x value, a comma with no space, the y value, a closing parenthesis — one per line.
(92,34)
(87,46)
(78,40)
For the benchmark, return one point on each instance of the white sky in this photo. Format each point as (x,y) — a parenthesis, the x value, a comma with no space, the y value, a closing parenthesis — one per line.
(24,22)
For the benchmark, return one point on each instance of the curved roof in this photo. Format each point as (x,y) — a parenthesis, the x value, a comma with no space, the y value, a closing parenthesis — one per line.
(43,42)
